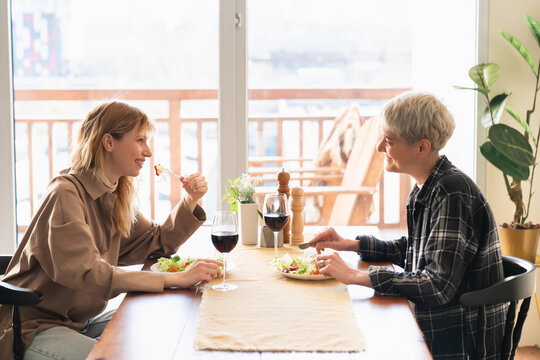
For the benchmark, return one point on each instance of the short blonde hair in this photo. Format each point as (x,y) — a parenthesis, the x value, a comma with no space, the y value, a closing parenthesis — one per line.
(415,116)
(117,119)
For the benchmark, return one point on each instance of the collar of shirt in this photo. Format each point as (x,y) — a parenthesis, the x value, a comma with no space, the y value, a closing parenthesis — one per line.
(91,183)
(421,194)
(110,186)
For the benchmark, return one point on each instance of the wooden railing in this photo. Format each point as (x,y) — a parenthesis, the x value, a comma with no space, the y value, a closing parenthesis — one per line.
(174,98)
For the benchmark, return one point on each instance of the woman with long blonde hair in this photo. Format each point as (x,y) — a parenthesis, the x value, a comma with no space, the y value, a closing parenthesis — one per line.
(85,228)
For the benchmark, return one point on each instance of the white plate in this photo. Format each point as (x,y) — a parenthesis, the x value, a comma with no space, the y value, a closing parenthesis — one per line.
(305,276)
(155,267)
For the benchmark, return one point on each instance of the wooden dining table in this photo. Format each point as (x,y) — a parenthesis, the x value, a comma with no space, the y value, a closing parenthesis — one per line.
(162,325)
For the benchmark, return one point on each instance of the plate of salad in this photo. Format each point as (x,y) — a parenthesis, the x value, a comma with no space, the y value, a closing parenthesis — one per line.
(179,264)
(300,268)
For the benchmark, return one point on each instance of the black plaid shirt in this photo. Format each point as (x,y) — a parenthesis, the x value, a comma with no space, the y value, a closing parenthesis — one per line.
(452,247)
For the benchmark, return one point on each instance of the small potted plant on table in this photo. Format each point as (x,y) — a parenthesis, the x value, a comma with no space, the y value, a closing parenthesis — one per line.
(241,197)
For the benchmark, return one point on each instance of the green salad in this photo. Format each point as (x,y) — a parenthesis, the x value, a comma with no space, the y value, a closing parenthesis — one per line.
(297,265)
(174,264)
(178,264)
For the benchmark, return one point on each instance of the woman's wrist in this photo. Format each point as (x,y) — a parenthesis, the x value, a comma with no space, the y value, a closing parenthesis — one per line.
(352,245)
(190,202)
(174,280)
(362,278)
(168,282)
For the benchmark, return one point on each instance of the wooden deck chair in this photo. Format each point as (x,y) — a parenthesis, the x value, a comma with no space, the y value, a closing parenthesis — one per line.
(329,164)
(335,150)
(364,170)
(350,202)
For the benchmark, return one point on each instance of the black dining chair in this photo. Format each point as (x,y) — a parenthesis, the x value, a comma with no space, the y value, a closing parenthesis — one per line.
(518,284)
(16,296)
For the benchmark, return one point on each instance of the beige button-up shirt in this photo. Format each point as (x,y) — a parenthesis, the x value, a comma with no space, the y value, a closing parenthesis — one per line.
(71,254)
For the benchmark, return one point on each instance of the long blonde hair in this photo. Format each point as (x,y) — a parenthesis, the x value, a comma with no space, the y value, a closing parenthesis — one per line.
(116,119)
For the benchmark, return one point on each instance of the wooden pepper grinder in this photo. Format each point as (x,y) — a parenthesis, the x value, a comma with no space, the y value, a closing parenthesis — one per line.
(283,179)
(297,223)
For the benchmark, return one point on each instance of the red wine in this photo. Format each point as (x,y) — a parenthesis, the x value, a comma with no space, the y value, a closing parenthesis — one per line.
(276,221)
(224,242)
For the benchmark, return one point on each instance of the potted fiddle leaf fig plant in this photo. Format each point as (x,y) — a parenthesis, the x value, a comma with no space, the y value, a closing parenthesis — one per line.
(513,150)
(241,197)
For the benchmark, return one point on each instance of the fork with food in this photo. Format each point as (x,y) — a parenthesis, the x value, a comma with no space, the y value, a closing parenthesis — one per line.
(162,170)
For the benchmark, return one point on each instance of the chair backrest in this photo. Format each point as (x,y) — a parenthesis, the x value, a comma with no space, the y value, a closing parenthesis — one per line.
(336,148)
(16,296)
(364,168)
(4,262)
(519,283)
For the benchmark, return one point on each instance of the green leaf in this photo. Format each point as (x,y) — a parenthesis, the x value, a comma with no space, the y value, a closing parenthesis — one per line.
(497,108)
(520,120)
(484,75)
(511,143)
(534,26)
(225,196)
(236,181)
(522,50)
(502,163)
(482,90)
(234,207)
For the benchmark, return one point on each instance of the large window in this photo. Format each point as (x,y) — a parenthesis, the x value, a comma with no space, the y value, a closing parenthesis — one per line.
(307,63)
(70,56)
(342,54)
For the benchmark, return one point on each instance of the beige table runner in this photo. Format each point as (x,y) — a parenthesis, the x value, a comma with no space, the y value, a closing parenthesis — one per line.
(269,312)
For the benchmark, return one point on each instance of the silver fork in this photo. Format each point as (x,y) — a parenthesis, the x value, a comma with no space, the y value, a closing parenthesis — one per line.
(170,172)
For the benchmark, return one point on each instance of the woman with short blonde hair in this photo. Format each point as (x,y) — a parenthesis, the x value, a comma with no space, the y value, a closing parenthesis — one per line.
(416,115)
(452,245)
(85,228)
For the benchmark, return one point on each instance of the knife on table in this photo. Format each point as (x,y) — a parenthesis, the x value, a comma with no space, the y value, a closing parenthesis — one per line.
(305,245)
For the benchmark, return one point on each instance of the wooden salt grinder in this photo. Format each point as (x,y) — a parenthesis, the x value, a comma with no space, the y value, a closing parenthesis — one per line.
(297,225)
(283,179)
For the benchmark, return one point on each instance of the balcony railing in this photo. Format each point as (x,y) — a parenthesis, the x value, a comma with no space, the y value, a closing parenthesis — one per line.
(175,122)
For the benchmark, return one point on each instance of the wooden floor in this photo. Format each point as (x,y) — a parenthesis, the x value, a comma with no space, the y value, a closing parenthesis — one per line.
(527,353)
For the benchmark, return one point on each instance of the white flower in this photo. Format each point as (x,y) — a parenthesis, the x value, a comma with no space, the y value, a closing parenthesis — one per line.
(241,190)
(246,189)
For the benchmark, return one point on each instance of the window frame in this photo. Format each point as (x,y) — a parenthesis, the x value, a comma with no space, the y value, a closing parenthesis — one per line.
(232,93)
(8,212)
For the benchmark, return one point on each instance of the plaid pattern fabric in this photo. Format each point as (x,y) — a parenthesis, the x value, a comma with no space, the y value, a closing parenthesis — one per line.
(452,248)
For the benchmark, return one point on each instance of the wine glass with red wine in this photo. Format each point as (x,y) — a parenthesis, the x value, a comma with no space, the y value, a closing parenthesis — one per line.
(224,238)
(276,215)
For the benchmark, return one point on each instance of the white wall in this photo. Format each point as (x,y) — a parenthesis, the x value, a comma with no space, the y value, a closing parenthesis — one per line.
(516,77)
